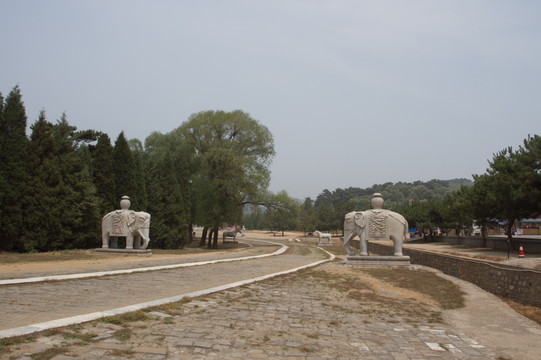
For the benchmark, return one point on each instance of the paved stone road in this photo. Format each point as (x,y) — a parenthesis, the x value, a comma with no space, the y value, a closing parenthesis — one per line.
(28,304)
(290,317)
(295,316)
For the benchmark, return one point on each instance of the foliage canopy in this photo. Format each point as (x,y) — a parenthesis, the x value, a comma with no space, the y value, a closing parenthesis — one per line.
(213,170)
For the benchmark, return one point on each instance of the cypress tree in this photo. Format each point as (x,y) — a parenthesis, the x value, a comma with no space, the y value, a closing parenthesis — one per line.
(42,215)
(77,203)
(124,171)
(168,192)
(13,150)
(140,176)
(169,207)
(87,231)
(103,165)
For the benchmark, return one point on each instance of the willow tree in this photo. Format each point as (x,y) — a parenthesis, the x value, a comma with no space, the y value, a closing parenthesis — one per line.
(282,212)
(234,153)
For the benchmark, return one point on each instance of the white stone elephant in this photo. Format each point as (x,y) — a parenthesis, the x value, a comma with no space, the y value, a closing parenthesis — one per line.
(135,226)
(375,225)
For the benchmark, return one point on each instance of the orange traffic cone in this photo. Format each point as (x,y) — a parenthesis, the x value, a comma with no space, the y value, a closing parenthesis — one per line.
(520,252)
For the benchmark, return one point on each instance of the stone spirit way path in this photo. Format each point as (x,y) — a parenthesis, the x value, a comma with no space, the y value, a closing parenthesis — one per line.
(295,316)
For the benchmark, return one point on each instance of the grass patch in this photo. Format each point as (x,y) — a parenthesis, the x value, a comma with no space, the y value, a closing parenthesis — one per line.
(170,309)
(529,311)
(123,334)
(123,353)
(168,321)
(339,282)
(307,348)
(125,318)
(49,353)
(368,301)
(303,250)
(6,344)
(84,337)
(64,255)
(336,249)
(444,292)
(86,254)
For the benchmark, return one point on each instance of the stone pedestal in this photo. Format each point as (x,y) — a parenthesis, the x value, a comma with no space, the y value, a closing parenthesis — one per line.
(324,244)
(138,252)
(378,260)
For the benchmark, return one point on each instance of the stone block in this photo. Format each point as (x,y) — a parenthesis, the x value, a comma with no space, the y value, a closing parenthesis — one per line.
(378,260)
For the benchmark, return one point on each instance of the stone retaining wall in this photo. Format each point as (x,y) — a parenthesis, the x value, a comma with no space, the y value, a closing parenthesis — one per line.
(520,285)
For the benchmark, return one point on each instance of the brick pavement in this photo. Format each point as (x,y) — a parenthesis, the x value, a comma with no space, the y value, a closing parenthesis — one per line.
(27,304)
(295,316)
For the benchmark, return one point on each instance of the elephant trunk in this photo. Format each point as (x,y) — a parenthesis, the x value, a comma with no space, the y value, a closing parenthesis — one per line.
(144,233)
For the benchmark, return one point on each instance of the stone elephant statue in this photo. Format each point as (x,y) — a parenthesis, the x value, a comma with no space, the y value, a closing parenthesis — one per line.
(377,225)
(135,226)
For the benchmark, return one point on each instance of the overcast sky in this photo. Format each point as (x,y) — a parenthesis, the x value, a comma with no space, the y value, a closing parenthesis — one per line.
(354,92)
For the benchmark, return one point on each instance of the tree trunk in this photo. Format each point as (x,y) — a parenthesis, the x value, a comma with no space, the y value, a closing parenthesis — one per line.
(484,235)
(509,235)
(203,236)
(190,235)
(215,241)
(211,234)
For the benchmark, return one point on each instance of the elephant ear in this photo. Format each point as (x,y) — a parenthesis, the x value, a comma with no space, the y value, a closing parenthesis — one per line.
(360,219)
(131,218)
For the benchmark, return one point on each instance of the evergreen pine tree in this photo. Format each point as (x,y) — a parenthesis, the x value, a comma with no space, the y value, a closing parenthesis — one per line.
(140,179)
(169,191)
(41,220)
(170,210)
(103,165)
(124,172)
(87,229)
(13,150)
(77,200)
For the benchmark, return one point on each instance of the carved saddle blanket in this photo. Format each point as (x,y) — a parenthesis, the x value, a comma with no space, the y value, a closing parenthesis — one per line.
(377,225)
(120,221)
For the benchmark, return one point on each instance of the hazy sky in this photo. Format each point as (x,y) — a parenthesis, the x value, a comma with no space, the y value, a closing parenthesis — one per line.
(354,92)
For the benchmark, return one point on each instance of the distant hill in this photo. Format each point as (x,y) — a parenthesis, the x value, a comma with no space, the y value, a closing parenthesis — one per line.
(458,183)
(395,194)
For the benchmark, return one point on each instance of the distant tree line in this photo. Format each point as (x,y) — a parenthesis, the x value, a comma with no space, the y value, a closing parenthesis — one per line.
(57,184)
(326,212)
(509,190)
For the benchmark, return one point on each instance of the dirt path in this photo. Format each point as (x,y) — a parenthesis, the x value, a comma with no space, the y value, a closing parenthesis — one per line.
(493,322)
